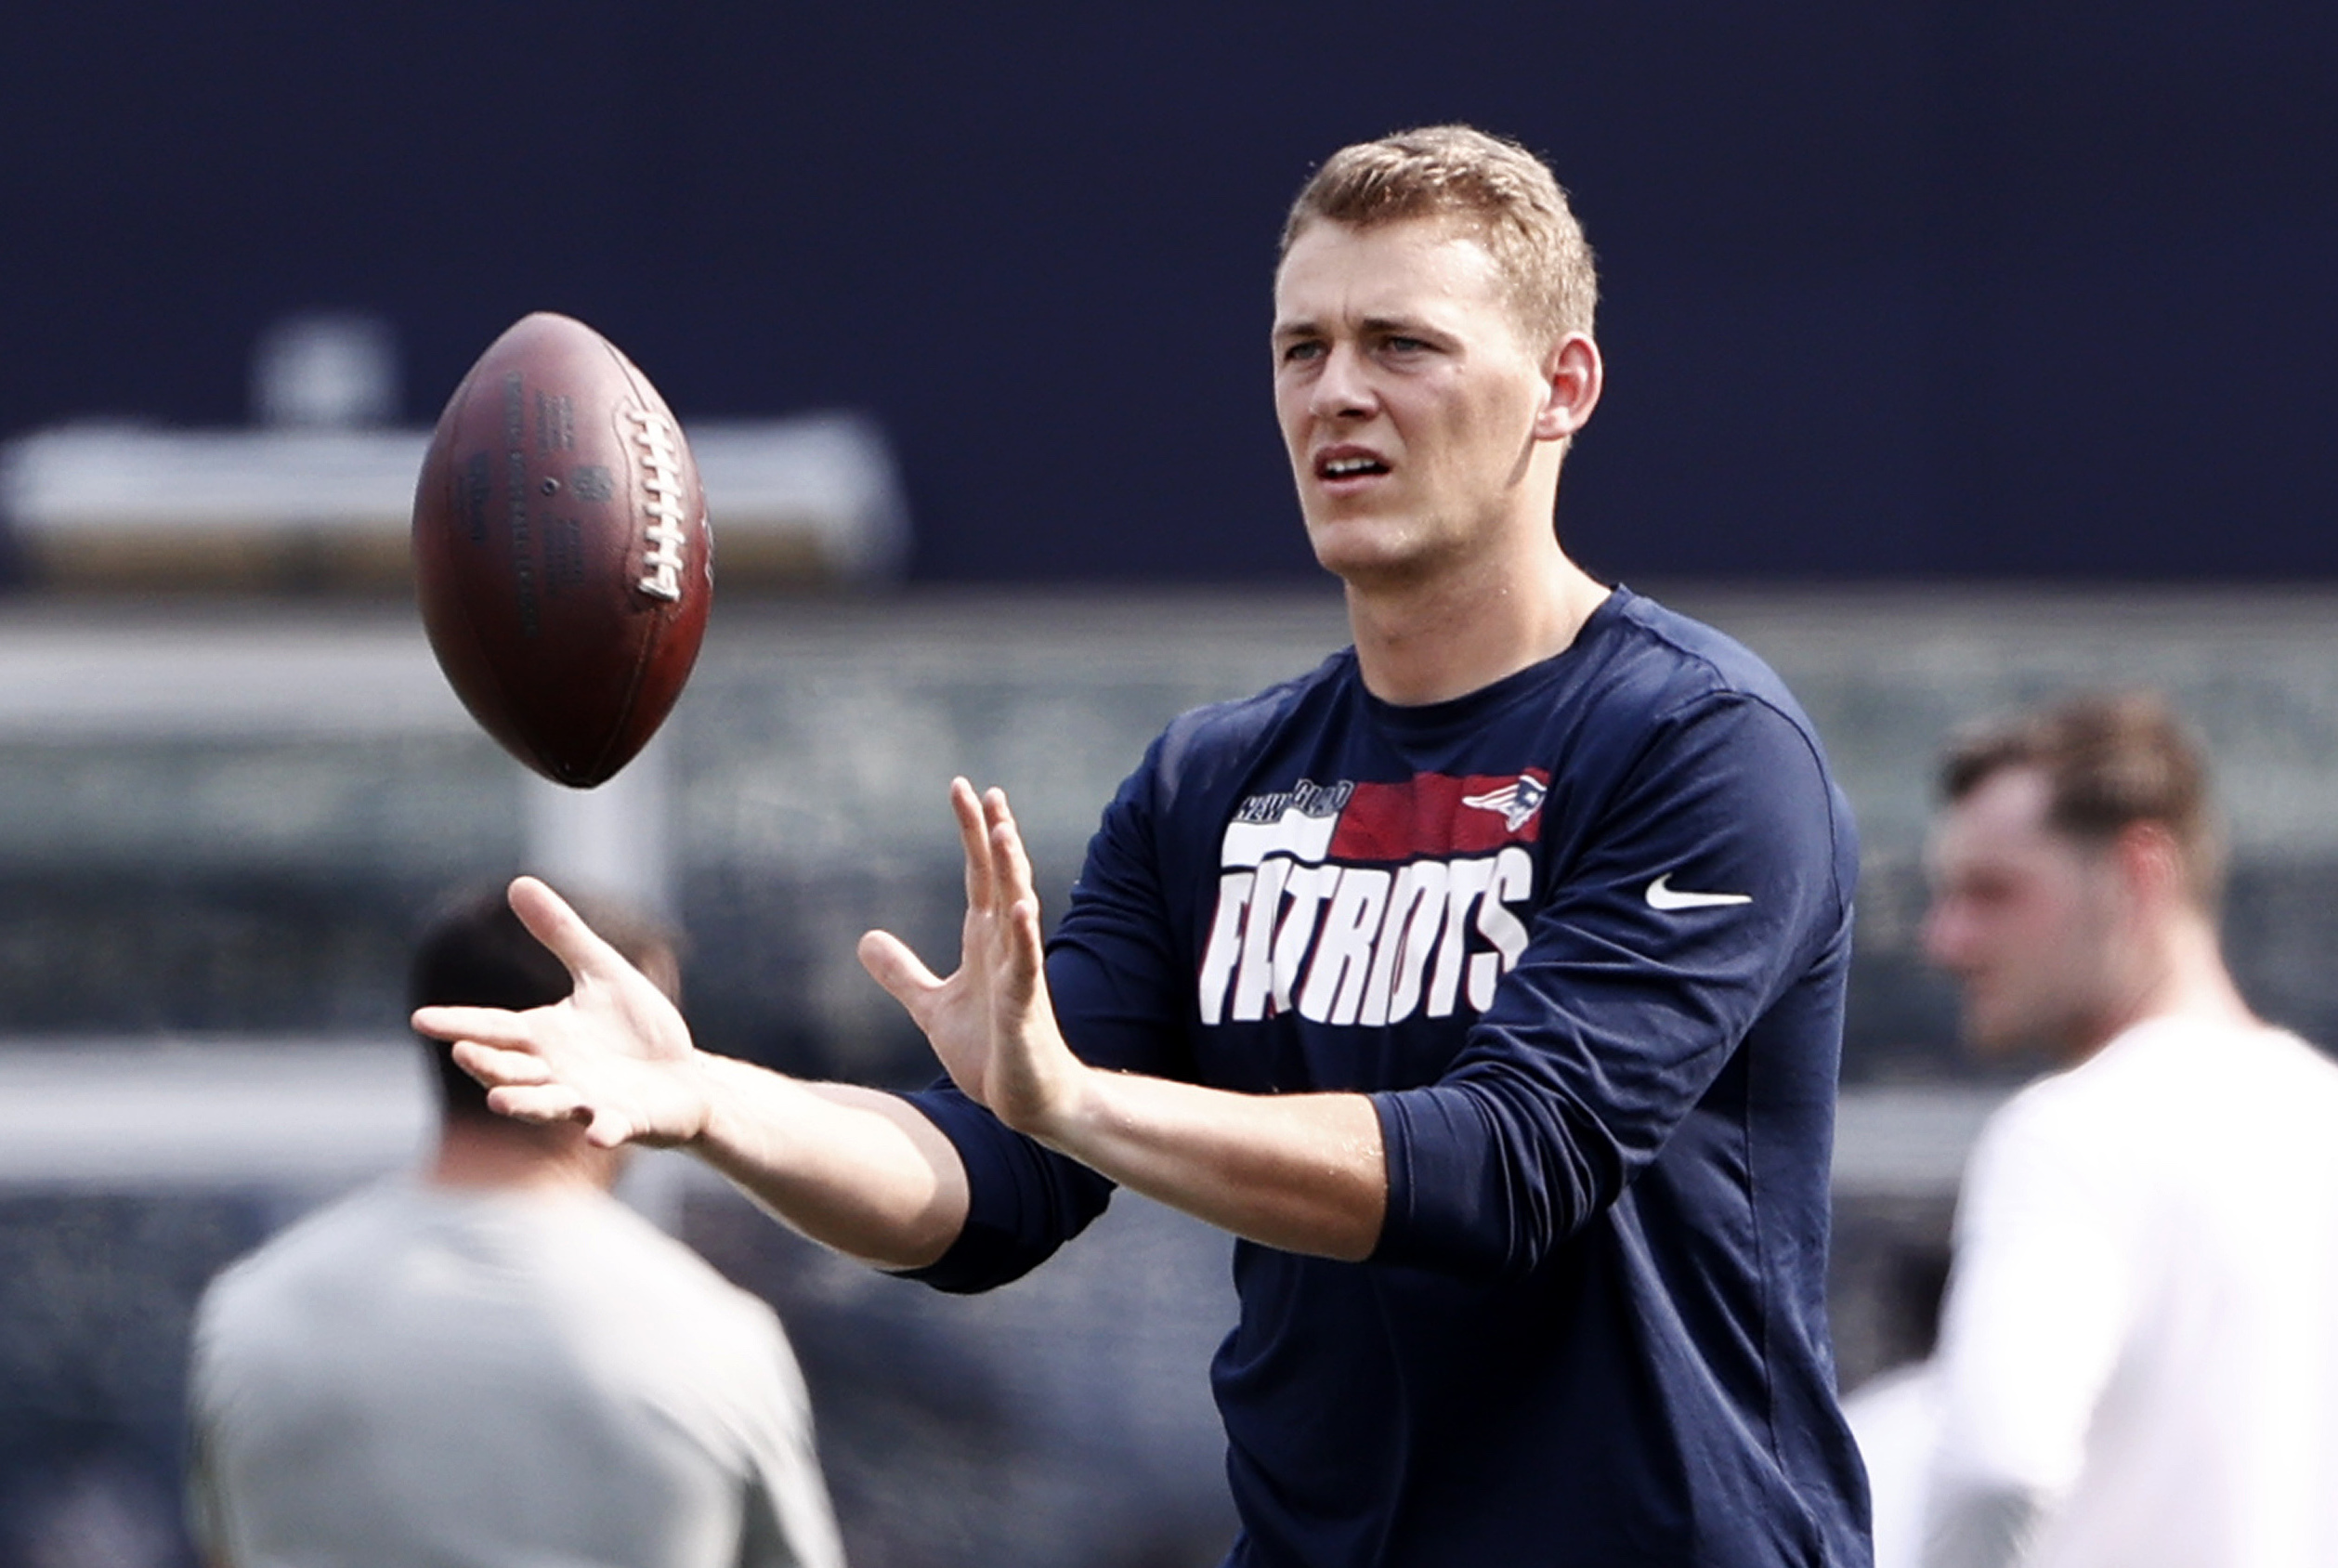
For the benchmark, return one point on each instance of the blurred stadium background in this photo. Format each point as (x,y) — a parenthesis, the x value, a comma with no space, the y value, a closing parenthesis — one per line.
(1960,354)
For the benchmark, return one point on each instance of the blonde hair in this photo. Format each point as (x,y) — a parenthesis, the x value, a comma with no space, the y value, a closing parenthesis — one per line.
(1504,194)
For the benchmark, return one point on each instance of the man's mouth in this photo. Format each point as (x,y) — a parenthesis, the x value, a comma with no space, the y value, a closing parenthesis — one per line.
(1348,465)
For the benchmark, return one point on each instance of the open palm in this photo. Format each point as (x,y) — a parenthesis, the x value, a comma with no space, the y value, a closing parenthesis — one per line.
(615,1055)
(990,1022)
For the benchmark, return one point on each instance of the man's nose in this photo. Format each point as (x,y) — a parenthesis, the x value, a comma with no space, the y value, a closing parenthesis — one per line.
(1342,389)
(1941,935)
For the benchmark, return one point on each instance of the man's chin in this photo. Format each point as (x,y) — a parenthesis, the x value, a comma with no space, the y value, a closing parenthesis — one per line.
(1996,1045)
(2004,1041)
(1367,553)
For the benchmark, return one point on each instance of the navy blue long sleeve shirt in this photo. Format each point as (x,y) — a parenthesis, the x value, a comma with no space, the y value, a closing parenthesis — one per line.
(1581,936)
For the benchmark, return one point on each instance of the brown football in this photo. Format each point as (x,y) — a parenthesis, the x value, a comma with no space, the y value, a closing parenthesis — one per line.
(562,552)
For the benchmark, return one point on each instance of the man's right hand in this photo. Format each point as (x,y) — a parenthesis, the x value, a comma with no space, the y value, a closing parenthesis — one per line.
(616,1055)
(856,1168)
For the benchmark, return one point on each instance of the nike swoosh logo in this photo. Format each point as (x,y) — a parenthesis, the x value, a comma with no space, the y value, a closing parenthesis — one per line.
(1661,894)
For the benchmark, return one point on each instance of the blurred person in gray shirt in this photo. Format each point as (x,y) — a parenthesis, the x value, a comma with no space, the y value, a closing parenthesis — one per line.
(492,1360)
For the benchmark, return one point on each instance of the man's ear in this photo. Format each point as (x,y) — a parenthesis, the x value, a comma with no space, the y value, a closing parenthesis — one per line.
(1572,375)
(2151,863)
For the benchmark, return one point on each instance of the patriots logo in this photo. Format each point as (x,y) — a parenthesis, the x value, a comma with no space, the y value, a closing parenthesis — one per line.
(1517,803)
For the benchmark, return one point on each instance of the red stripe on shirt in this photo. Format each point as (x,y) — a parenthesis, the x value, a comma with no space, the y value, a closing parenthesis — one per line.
(1425,817)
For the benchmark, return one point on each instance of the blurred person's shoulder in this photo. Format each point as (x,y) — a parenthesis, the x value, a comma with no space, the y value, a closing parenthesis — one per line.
(614,1256)
(403,1238)
(340,1238)
(2168,1090)
(402,1260)
(621,1294)
(2175,1067)
(305,1290)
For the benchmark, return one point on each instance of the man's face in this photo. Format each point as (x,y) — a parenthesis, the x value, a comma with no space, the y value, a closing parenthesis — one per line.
(1407,394)
(2027,919)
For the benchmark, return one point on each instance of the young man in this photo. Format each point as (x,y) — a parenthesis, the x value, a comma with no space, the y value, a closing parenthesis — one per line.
(495,1361)
(2138,1362)
(1486,982)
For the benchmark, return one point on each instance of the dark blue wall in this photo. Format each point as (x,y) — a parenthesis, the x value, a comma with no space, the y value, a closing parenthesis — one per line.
(1894,287)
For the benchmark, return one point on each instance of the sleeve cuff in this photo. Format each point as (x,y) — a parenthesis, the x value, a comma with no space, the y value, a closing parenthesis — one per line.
(1022,1201)
(1438,1205)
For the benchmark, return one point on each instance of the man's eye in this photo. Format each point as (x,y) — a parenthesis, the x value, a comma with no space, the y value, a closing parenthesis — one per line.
(1299,353)
(1405,345)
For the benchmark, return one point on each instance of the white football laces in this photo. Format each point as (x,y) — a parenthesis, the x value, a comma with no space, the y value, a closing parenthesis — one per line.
(661,457)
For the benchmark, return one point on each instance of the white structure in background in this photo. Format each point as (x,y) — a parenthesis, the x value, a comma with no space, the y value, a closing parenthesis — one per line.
(321,497)
(614,840)
(325,372)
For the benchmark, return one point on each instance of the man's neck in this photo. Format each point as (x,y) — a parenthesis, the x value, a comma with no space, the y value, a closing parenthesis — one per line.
(1446,635)
(477,1156)
(2183,976)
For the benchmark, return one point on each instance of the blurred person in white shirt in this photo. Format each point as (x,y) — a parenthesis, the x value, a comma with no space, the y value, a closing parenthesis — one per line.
(1894,1416)
(2139,1358)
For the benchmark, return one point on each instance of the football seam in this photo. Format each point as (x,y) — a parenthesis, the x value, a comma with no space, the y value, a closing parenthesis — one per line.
(649,645)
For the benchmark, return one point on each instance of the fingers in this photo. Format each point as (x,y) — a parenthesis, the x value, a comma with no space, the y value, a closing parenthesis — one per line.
(1020,983)
(890,963)
(605,1129)
(997,879)
(1010,864)
(1018,897)
(489,1025)
(540,1104)
(550,921)
(496,1069)
(973,837)
(980,819)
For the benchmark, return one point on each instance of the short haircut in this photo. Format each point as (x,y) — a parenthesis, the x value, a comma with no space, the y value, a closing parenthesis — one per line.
(475,953)
(2111,760)
(1504,195)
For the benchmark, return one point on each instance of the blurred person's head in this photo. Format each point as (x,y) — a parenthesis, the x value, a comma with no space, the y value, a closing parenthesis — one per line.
(1486,186)
(2076,868)
(475,953)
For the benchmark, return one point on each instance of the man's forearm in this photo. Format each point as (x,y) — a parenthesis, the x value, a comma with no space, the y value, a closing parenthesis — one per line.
(1304,1173)
(855,1169)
